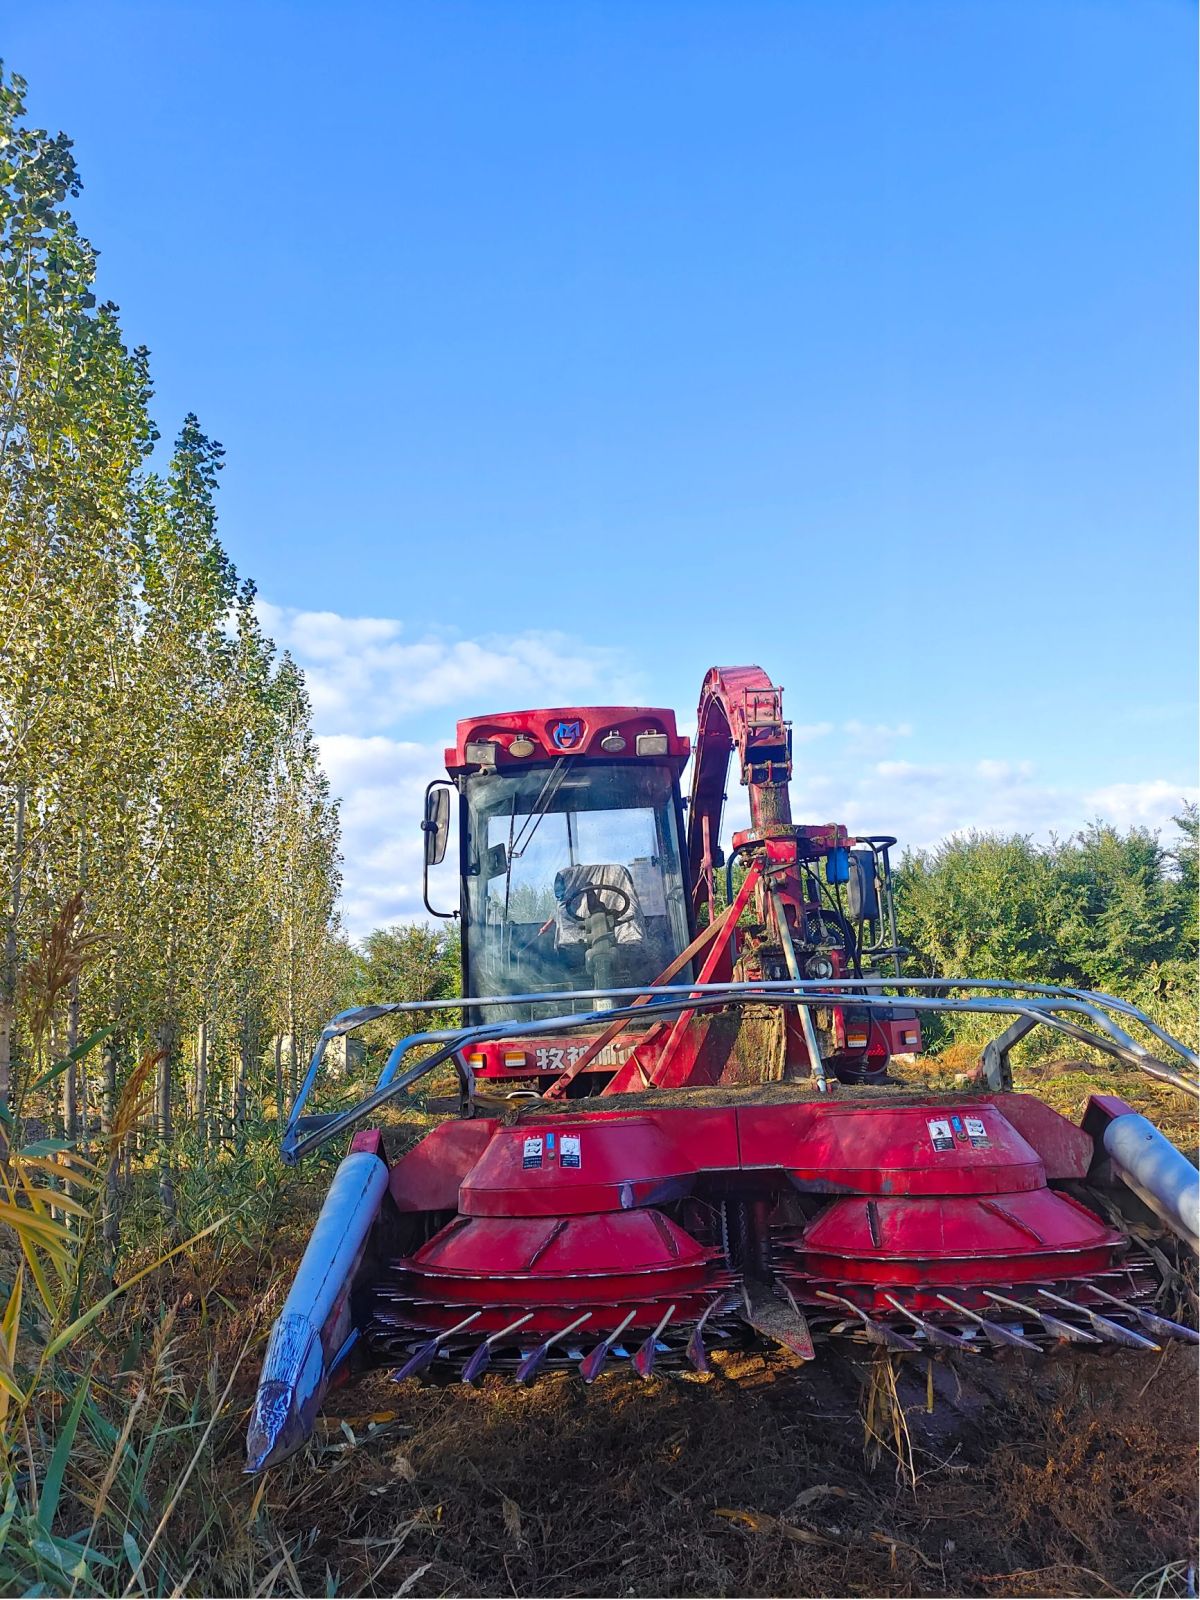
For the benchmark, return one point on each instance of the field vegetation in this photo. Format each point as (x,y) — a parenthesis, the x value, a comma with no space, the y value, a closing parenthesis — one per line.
(169,949)
(1105,909)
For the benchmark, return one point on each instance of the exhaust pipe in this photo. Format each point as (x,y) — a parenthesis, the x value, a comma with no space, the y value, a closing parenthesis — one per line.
(1157,1173)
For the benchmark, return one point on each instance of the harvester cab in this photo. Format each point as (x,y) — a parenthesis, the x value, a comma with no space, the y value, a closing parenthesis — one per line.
(674,1128)
(571,853)
(584,872)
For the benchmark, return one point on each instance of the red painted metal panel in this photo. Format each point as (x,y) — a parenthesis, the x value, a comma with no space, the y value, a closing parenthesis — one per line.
(636,1261)
(895,1036)
(876,1149)
(1066,1151)
(946,1197)
(740,708)
(614,1160)
(1110,1104)
(603,1161)
(632,1241)
(523,1058)
(595,722)
(428,1177)
(1023,1223)
(1024,1237)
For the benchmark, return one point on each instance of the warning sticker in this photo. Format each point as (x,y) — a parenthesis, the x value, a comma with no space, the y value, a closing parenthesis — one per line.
(570,1155)
(532,1153)
(940,1136)
(977,1133)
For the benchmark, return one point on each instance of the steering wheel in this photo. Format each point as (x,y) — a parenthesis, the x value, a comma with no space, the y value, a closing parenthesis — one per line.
(594,903)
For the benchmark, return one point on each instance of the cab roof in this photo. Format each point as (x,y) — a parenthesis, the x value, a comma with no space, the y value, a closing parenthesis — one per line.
(605,733)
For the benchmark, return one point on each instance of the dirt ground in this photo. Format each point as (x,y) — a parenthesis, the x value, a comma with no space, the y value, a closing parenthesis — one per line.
(1075,1475)
(1070,1478)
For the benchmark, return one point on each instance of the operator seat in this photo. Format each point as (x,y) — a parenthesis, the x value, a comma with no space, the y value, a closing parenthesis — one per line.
(571,930)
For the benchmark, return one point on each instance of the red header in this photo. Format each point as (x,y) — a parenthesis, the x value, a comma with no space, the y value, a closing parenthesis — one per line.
(614,733)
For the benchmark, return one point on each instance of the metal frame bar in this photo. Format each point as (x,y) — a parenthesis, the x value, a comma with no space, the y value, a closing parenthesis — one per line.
(811,1043)
(1043,1005)
(722,925)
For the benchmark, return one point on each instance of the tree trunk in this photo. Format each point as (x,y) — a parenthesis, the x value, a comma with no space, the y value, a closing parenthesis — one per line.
(70,1077)
(202,1082)
(279,1078)
(166,1182)
(110,1228)
(166,1046)
(8,974)
(243,1079)
(294,1084)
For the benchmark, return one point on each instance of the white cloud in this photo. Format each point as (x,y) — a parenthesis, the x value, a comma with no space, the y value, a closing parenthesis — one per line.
(369,673)
(877,730)
(370,680)
(923,804)
(806,732)
(870,741)
(373,681)
(906,771)
(1139,804)
(380,783)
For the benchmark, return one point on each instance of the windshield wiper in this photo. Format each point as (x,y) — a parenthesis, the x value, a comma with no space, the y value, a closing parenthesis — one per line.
(540,806)
(518,846)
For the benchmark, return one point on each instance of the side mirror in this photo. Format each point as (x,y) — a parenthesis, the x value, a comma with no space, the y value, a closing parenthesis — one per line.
(436,826)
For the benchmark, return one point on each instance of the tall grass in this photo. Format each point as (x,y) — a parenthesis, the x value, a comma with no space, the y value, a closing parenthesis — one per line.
(98,1433)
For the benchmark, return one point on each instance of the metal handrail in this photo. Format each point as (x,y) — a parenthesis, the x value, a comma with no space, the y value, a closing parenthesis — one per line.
(807,993)
(347,1021)
(1049,1000)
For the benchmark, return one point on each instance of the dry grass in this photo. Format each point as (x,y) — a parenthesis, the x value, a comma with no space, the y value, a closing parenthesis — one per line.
(1072,1477)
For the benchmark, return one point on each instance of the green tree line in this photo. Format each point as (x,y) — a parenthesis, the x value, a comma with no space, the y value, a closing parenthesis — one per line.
(168,846)
(1101,910)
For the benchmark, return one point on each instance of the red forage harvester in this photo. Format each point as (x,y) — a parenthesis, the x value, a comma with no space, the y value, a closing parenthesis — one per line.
(674,1129)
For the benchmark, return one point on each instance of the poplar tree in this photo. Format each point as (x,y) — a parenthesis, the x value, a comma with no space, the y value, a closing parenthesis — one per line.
(168,845)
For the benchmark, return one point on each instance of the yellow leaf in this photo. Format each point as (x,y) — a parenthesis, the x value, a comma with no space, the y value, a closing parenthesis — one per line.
(10,1325)
(56,1169)
(65,1202)
(49,1300)
(257,1501)
(33,1224)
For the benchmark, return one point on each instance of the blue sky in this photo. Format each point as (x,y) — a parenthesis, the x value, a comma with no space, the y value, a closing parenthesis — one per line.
(561,349)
